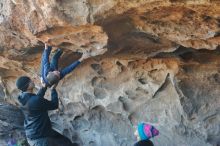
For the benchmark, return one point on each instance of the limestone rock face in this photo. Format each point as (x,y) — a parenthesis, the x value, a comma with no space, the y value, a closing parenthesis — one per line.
(155,61)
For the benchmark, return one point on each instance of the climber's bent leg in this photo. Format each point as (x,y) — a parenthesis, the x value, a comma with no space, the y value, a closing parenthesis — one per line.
(55,59)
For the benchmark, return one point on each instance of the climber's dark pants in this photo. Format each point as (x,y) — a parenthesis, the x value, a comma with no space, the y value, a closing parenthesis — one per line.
(38,142)
(55,140)
(53,64)
(55,59)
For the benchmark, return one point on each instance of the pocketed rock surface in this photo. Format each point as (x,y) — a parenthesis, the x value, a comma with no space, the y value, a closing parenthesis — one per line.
(154,61)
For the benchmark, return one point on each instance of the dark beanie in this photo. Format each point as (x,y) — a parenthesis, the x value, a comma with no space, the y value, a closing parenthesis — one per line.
(22,83)
(144,143)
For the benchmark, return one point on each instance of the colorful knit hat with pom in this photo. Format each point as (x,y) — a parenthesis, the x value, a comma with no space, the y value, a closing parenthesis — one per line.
(147,131)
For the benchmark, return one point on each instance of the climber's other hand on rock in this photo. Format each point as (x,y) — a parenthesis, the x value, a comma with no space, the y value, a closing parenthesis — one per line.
(48,43)
(84,56)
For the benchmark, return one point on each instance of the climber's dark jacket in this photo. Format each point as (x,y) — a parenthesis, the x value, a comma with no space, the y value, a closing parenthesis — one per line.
(35,108)
(46,66)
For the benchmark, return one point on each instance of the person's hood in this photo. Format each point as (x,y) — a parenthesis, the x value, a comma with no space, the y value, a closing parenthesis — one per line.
(24,97)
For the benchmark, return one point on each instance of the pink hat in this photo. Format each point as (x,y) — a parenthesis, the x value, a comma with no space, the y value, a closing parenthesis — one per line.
(147,131)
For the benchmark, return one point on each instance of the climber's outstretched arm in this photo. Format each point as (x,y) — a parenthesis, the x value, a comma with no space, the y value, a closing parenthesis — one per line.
(69,69)
(72,66)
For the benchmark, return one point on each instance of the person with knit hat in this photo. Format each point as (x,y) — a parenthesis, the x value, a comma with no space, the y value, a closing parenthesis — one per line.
(144,133)
(24,83)
(35,108)
(50,74)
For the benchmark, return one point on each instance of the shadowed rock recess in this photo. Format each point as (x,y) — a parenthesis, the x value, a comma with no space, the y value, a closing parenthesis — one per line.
(156,61)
